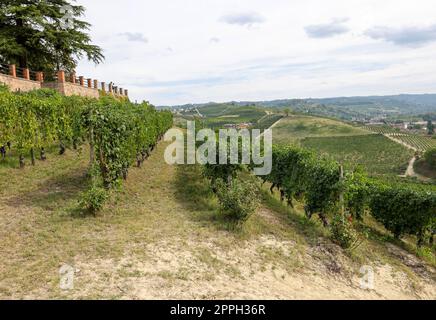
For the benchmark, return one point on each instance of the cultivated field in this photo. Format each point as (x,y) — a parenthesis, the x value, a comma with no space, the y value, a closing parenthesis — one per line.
(294,128)
(376,153)
(159,237)
(415,141)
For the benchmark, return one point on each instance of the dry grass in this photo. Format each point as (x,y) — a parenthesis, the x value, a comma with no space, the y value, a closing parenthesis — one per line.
(159,237)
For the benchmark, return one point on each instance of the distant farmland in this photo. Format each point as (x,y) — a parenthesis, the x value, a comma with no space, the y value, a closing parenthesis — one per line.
(292,129)
(376,153)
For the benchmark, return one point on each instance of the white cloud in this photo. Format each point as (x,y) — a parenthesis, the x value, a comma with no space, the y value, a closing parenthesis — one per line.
(134,37)
(404,36)
(327,30)
(219,55)
(242,18)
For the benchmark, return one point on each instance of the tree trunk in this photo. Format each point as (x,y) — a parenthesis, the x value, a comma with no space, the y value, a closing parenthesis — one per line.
(307,212)
(32,156)
(104,170)
(323,218)
(138,160)
(341,194)
(91,146)
(21,160)
(42,154)
(22,59)
(282,195)
(61,148)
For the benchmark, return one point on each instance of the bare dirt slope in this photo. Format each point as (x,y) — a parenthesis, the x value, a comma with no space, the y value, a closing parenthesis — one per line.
(159,239)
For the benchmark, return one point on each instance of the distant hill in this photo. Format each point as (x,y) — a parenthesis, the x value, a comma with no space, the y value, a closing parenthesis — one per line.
(348,108)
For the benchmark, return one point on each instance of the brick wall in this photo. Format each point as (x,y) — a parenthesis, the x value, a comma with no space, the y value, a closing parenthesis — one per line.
(70,89)
(66,86)
(19,84)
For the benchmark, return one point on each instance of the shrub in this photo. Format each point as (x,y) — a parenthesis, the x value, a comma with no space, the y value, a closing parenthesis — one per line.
(430,157)
(343,232)
(357,193)
(238,200)
(93,199)
(403,210)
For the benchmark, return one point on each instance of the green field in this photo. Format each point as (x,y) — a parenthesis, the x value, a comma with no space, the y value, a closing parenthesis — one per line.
(267,121)
(376,153)
(232,115)
(294,128)
(419,142)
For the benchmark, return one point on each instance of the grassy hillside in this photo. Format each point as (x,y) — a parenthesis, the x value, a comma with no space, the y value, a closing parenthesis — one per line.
(294,128)
(376,153)
(159,237)
(231,114)
(405,106)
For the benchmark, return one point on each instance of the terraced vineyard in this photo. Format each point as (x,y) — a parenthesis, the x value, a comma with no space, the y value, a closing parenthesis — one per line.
(421,143)
(376,153)
(418,142)
(267,121)
(385,129)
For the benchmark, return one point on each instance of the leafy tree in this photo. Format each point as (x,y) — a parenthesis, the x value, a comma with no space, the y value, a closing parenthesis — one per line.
(32,35)
(430,127)
(430,157)
(287,112)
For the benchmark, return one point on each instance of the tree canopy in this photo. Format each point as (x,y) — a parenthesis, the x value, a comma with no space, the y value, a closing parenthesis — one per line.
(32,35)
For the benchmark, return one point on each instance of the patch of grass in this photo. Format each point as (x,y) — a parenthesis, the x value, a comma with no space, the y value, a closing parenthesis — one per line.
(293,129)
(159,206)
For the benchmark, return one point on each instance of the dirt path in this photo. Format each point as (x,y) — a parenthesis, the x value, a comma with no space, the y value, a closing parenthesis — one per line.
(400,142)
(270,128)
(198,112)
(410,171)
(208,271)
(266,267)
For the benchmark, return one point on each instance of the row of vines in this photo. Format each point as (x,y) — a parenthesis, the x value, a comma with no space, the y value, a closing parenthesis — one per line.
(419,142)
(337,196)
(328,191)
(119,133)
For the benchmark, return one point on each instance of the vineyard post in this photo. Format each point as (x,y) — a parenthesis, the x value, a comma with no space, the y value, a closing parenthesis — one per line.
(21,160)
(341,194)
(32,156)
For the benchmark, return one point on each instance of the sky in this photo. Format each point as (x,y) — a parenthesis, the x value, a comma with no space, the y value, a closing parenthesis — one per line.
(173,52)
